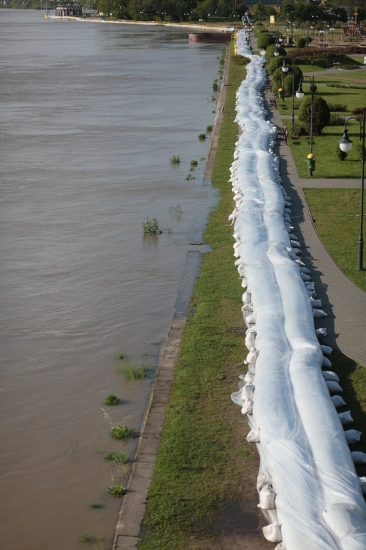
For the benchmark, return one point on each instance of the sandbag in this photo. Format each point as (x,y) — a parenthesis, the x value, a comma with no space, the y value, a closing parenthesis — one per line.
(252,356)
(250,338)
(247,407)
(330,375)
(249,377)
(319,313)
(345,418)
(272,532)
(363,484)
(263,479)
(326,350)
(333,387)
(321,332)
(247,391)
(358,457)
(267,498)
(326,363)
(352,436)
(338,401)
(253,436)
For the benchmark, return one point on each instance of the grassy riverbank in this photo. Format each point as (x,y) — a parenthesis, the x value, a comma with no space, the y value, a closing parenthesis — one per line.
(204,460)
(203,494)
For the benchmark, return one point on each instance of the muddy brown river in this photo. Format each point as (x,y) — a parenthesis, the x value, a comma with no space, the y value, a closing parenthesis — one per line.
(91,114)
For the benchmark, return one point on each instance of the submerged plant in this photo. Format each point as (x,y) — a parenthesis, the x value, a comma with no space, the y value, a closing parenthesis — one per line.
(175,159)
(209,128)
(84,537)
(120,431)
(189,177)
(134,372)
(202,137)
(194,164)
(118,457)
(96,505)
(151,226)
(112,400)
(117,490)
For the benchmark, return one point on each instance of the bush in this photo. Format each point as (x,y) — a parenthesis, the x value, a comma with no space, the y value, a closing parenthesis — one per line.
(300,42)
(274,63)
(277,80)
(336,120)
(338,107)
(299,129)
(265,40)
(151,226)
(271,49)
(321,114)
(319,62)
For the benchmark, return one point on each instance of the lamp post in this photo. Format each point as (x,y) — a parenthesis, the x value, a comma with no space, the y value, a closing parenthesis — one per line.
(284,71)
(300,94)
(293,92)
(276,53)
(345,145)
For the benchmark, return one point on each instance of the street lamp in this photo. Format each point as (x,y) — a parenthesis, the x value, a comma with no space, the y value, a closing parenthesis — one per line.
(293,92)
(300,94)
(284,71)
(345,145)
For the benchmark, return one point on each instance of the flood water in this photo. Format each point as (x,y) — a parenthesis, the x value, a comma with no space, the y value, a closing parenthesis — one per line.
(91,115)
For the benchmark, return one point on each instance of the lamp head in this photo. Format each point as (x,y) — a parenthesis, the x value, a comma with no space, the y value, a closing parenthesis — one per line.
(345,144)
(300,93)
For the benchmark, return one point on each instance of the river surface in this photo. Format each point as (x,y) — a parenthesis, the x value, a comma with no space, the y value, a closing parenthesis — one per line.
(91,114)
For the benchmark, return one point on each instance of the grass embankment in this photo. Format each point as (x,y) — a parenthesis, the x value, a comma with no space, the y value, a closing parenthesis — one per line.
(203,459)
(204,464)
(336,216)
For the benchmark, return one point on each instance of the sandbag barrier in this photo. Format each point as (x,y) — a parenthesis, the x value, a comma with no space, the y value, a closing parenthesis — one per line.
(308,488)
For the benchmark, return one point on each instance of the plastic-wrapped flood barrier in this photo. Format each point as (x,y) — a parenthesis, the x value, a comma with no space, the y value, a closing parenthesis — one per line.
(308,488)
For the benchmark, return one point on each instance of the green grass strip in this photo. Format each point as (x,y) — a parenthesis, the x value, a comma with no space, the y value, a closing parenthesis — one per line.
(336,215)
(203,454)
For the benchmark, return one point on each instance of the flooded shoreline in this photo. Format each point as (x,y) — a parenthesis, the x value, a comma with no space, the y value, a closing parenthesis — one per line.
(87,143)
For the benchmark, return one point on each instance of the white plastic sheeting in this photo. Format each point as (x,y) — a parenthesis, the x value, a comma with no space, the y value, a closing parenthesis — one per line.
(304,457)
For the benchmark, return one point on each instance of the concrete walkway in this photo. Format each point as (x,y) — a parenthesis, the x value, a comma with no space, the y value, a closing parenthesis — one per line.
(342,300)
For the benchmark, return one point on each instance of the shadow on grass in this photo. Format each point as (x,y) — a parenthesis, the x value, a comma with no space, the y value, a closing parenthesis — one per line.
(353,381)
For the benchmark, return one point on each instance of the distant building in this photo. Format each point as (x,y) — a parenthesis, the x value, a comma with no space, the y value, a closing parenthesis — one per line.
(69,10)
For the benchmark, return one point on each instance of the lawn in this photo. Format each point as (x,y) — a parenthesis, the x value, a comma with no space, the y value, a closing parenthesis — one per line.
(336,214)
(325,147)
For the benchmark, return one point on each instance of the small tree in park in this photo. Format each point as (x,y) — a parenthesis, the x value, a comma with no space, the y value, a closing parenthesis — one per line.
(321,114)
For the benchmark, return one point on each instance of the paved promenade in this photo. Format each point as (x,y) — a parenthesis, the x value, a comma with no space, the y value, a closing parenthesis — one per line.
(342,300)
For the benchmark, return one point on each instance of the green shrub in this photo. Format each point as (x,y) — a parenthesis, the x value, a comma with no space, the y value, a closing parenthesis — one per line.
(151,226)
(112,400)
(319,62)
(119,431)
(299,129)
(337,107)
(265,40)
(321,114)
(134,372)
(300,42)
(271,49)
(194,163)
(175,159)
(118,457)
(336,120)
(274,63)
(117,490)
(202,137)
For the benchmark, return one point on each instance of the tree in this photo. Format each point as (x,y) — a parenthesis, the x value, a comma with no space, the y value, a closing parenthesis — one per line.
(321,114)
(258,11)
